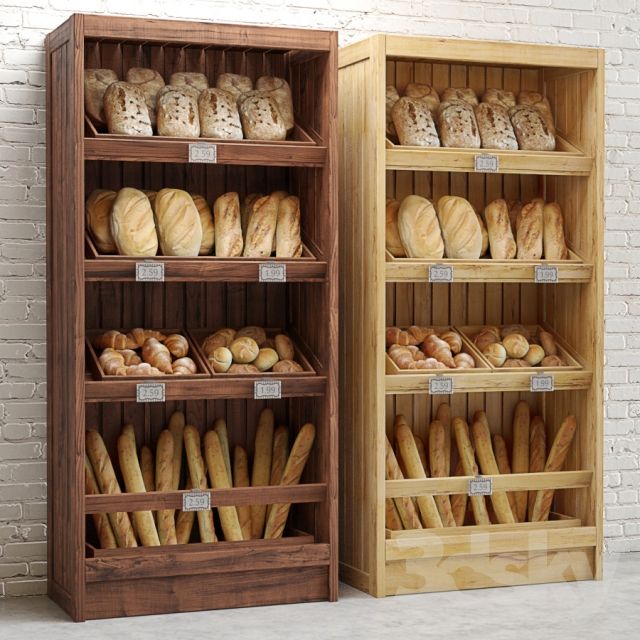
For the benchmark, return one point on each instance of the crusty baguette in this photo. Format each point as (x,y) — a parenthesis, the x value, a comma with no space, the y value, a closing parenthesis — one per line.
(176,426)
(405,506)
(278,457)
(504,466)
(537,455)
(146,466)
(241,479)
(437,464)
(108,483)
(459,500)
(164,482)
(443,415)
(426,504)
(467,458)
(422,453)
(130,468)
(220,479)
(520,455)
(184,521)
(261,472)
(555,461)
(220,427)
(489,467)
(292,473)
(106,537)
(198,480)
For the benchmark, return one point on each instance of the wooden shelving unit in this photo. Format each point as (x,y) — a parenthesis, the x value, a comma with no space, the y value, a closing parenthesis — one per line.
(88,292)
(379,291)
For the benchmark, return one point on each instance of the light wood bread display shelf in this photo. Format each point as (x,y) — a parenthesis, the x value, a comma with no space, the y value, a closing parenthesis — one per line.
(90,292)
(392,545)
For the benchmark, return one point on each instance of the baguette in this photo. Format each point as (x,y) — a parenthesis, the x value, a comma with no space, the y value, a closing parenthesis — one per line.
(261,472)
(555,461)
(537,455)
(130,468)
(241,479)
(220,427)
(184,521)
(437,464)
(146,467)
(422,454)
(278,457)
(198,480)
(101,522)
(504,467)
(220,479)
(459,500)
(443,415)
(405,507)
(292,473)
(391,517)
(520,459)
(164,482)
(108,483)
(176,426)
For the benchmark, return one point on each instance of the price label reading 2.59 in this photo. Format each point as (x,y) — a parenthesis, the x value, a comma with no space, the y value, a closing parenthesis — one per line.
(440,273)
(441,386)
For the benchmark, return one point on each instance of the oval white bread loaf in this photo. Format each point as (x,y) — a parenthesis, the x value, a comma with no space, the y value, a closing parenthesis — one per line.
(98,214)
(393,242)
(261,227)
(150,82)
(177,112)
(288,240)
(126,111)
(219,117)
(279,88)
(419,229)
(460,228)
(178,223)
(501,241)
(414,123)
(555,247)
(132,225)
(529,234)
(96,82)
(189,79)
(228,230)
(206,220)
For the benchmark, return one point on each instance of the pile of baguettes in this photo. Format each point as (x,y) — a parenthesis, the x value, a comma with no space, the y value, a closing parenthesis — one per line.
(453,229)
(476,450)
(133,222)
(273,464)
(187,106)
(456,119)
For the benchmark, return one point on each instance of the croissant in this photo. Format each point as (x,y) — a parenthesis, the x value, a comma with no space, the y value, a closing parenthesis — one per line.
(395,335)
(157,355)
(112,362)
(420,334)
(438,349)
(464,361)
(416,353)
(114,340)
(428,363)
(130,356)
(184,366)
(402,357)
(140,335)
(453,339)
(177,345)
(143,369)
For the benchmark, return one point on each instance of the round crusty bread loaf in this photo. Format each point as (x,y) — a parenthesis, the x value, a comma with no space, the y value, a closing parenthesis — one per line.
(96,82)
(177,112)
(206,220)
(219,117)
(189,79)
(98,212)
(260,116)
(460,228)
(419,229)
(132,225)
(126,111)
(178,223)
(279,88)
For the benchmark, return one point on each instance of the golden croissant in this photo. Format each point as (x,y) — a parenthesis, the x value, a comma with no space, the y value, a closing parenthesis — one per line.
(157,355)
(177,345)
(112,362)
(140,335)
(438,349)
(114,340)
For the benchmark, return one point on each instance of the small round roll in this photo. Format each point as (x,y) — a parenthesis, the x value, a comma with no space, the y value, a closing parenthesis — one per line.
(256,333)
(244,350)
(284,347)
(535,355)
(266,359)
(495,353)
(243,368)
(287,366)
(516,345)
(221,338)
(221,359)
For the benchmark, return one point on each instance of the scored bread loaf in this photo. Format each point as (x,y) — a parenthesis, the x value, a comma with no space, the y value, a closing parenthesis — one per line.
(495,127)
(228,230)
(96,82)
(391,97)
(501,241)
(206,221)
(177,223)
(261,227)
(555,247)
(219,117)
(541,103)
(465,94)
(426,93)
(189,79)
(413,123)
(529,234)
(531,129)
(419,229)
(393,242)
(261,118)
(126,111)
(98,215)
(132,224)
(101,522)
(457,125)
(520,453)
(234,83)
(460,228)
(177,112)
(279,88)
(288,239)
(500,97)
(150,82)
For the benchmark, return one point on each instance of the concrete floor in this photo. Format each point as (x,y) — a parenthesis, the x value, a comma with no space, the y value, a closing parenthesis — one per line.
(581,610)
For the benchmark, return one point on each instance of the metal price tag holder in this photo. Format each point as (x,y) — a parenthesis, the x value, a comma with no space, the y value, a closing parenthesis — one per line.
(203,152)
(480,486)
(149,271)
(150,392)
(267,390)
(196,501)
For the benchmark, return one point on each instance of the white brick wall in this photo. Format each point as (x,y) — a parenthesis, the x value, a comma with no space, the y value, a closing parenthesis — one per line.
(613,24)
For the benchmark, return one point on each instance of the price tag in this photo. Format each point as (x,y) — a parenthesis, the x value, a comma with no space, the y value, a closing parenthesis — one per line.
(272,272)
(480,486)
(486,163)
(267,390)
(542,382)
(150,392)
(543,273)
(149,271)
(440,273)
(196,501)
(441,386)
(203,152)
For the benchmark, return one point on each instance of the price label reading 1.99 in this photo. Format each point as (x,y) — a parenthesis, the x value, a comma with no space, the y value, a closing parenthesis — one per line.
(272,272)
(267,390)
(545,274)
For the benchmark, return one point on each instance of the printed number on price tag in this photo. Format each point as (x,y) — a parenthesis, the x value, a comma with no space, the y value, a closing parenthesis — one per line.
(440,273)
(480,486)
(150,392)
(542,382)
(441,385)
(196,501)
(267,390)
(149,272)
(272,272)
(545,274)
(486,163)
(203,152)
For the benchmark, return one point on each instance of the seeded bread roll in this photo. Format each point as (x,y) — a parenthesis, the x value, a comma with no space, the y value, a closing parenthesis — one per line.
(419,229)
(390,99)
(531,129)
(228,232)
(178,223)
(132,225)
(540,102)
(219,117)
(261,117)
(503,245)
(495,127)
(150,82)
(466,94)
(261,228)
(424,92)
(206,220)
(414,124)
(234,83)
(96,82)
(189,79)
(458,126)
(98,214)
(555,247)
(126,111)
(500,97)
(460,228)
(392,235)
(279,88)
(288,239)
(177,112)
(529,233)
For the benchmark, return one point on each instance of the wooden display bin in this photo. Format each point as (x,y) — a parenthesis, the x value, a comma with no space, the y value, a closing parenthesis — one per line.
(380,291)
(88,291)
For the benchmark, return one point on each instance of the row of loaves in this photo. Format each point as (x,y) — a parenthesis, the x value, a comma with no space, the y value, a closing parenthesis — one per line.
(452,444)
(132,222)
(456,119)
(209,465)
(187,106)
(453,229)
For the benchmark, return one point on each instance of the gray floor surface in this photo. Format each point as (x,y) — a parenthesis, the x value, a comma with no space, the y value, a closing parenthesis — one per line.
(586,610)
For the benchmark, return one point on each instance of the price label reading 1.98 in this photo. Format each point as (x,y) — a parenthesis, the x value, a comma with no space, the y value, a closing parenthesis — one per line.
(440,273)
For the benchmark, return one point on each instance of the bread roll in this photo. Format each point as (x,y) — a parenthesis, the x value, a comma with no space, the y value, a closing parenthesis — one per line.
(553,361)
(391,97)
(261,118)
(419,229)
(279,88)
(520,459)
(234,83)
(505,99)
(164,482)
(96,82)
(98,214)
(494,125)
(206,222)
(555,247)
(426,93)
(484,338)
(261,227)
(261,472)
(219,116)
(221,359)
(460,228)
(531,129)
(132,224)
(457,125)
(178,223)
(287,237)
(503,246)
(251,331)
(393,242)
(495,353)
(126,111)
(242,368)
(465,94)
(414,123)
(189,79)
(241,479)
(228,231)
(534,355)
(220,338)
(529,234)
(106,537)
(149,81)
(284,346)
(548,343)
(515,345)
(177,112)
(265,359)
(244,349)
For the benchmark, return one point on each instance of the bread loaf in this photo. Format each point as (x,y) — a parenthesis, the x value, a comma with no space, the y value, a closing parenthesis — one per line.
(228,231)
(540,102)
(164,482)
(459,500)
(189,79)
(105,534)
(419,229)
(504,467)
(234,83)
(126,111)
(177,223)
(241,479)
(98,214)
(219,116)
(149,81)
(132,224)
(393,242)
(443,416)
(261,227)
(457,125)
(206,221)
(555,247)
(426,93)
(531,129)
(414,124)
(438,464)
(96,82)
(220,338)
(279,88)
(405,506)
(505,99)
(185,520)
(287,237)
(520,459)
(537,456)
(494,125)
(460,229)
(261,472)
(529,234)
(261,118)
(465,94)
(485,235)
(177,112)
(503,246)
(390,99)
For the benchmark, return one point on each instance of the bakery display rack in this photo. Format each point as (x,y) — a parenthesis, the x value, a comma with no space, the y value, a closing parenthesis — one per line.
(378,553)
(89,292)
